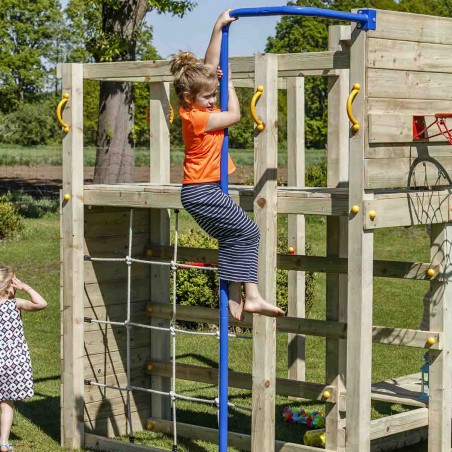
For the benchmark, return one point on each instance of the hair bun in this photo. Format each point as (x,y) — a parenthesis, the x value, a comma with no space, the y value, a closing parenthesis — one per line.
(181,61)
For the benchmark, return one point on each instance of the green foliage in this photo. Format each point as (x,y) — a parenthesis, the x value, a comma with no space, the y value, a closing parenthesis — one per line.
(200,288)
(27,29)
(316,175)
(30,207)
(30,124)
(10,220)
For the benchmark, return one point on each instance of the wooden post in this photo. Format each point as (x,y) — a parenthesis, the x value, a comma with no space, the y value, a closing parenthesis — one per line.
(265,209)
(440,380)
(160,235)
(337,238)
(296,223)
(72,386)
(360,269)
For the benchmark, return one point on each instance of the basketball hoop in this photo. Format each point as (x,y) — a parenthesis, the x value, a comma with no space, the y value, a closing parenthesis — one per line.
(421,130)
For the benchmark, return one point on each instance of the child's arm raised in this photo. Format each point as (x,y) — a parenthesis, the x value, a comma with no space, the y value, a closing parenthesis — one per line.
(212,57)
(221,120)
(36,302)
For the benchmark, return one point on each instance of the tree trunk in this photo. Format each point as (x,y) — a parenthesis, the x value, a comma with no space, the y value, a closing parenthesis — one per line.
(115,157)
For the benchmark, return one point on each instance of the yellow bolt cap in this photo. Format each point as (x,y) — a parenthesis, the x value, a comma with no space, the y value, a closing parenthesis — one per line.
(430,273)
(355,127)
(150,309)
(372,214)
(431,341)
(326,394)
(149,426)
(356,86)
(355,209)
(291,250)
(260,127)
(149,367)
(260,88)
(149,252)
(67,197)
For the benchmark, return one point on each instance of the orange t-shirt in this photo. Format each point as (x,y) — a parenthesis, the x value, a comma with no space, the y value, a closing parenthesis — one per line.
(202,149)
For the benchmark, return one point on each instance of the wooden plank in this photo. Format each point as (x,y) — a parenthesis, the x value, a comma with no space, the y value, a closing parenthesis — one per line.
(72,262)
(116,246)
(406,84)
(412,27)
(337,237)
(113,425)
(409,209)
(106,272)
(408,172)
(407,106)
(97,442)
(117,407)
(360,256)
(160,235)
(409,56)
(398,128)
(440,372)
(293,325)
(398,423)
(406,337)
(296,234)
(404,390)
(115,292)
(265,209)
(318,264)
(238,440)
(422,151)
(94,393)
(114,338)
(241,380)
(101,222)
(306,201)
(241,67)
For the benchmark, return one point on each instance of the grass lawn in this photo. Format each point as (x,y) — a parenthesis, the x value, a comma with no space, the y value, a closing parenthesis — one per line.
(51,155)
(36,259)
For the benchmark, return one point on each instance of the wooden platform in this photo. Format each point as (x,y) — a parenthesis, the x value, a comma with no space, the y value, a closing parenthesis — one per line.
(393,208)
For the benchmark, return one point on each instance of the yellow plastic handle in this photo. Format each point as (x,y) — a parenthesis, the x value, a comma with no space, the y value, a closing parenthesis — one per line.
(259,91)
(351,98)
(60,107)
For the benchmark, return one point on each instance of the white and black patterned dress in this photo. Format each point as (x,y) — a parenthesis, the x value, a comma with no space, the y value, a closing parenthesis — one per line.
(16,378)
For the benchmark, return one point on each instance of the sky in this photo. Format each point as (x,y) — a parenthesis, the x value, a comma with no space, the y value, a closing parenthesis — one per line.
(246,37)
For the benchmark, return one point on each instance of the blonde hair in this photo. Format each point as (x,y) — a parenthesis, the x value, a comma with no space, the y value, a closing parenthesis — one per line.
(191,76)
(6,276)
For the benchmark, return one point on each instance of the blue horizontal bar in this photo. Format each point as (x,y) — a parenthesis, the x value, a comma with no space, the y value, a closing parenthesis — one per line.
(366,18)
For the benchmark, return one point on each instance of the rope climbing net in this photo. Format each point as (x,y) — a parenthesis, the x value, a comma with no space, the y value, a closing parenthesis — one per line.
(172,329)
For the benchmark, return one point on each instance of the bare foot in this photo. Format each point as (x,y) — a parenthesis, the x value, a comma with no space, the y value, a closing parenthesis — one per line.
(259,306)
(236,310)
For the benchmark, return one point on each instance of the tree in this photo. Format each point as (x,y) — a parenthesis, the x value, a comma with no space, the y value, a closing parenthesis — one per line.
(113,28)
(27,29)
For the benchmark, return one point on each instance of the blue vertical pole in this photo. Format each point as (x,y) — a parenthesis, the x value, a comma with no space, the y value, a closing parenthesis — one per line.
(224,298)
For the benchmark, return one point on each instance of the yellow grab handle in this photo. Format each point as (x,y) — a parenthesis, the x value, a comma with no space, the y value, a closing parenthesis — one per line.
(257,94)
(351,98)
(59,108)
(171,114)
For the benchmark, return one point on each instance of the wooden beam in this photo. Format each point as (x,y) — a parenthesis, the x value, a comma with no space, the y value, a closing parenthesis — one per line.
(265,213)
(97,442)
(360,262)
(239,440)
(398,423)
(296,234)
(72,277)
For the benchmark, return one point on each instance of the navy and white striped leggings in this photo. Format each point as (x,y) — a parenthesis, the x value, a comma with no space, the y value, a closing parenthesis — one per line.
(237,235)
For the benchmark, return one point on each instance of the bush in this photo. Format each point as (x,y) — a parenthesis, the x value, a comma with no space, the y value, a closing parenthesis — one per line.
(316,175)
(11,221)
(30,207)
(29,125)
(201,288)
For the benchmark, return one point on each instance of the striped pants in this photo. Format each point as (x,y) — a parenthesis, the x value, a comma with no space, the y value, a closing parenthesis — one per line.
(237,235)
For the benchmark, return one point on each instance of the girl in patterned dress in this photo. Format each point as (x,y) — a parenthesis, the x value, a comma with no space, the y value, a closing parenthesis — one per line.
(16,379)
